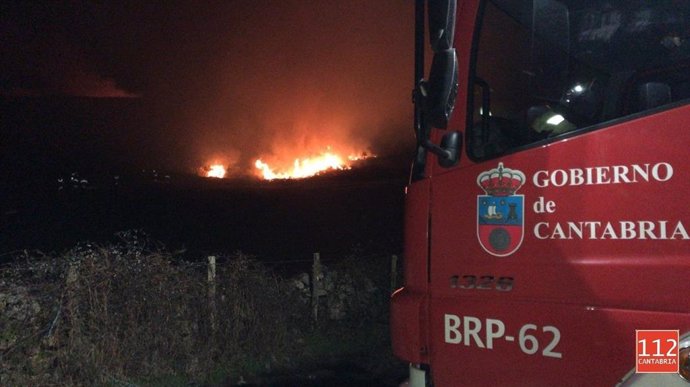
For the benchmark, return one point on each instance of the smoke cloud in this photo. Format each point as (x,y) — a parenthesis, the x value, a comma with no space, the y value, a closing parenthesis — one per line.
(44,52)
(232,80)
(294,77)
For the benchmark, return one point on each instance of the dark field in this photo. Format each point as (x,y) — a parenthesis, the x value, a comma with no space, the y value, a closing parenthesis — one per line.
(356,209)
(71,171)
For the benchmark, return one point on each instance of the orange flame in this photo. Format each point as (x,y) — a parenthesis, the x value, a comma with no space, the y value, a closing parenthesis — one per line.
(216,170)
(308,167)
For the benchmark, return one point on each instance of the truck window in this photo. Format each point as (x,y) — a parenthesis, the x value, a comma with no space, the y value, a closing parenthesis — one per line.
(544,68)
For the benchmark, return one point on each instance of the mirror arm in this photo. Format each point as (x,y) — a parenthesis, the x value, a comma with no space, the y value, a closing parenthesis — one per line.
(419,98)
(419,164)
(443,154)
(448,152)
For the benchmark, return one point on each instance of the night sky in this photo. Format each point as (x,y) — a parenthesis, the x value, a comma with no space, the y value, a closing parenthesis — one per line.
(223,79)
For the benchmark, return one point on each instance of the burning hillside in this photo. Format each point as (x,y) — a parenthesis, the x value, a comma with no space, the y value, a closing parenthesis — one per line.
(299,158)
(303,167)
(215,170)
(298,168)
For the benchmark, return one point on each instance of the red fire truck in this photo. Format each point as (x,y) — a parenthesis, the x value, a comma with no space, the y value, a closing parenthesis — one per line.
(547,235)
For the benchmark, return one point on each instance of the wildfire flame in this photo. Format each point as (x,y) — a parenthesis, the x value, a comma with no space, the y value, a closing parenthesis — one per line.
(216,170)
(308,167)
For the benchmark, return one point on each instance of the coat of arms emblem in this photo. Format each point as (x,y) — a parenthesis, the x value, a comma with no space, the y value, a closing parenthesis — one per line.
(500,213)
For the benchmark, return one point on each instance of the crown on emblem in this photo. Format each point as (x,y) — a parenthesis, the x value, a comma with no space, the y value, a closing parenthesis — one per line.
(501,181)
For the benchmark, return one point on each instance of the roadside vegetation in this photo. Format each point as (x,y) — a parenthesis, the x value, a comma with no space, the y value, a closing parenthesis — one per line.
(133,314)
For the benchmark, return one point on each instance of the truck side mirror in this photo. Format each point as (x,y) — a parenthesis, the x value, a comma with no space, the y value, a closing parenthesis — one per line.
(441,23)
(442,88)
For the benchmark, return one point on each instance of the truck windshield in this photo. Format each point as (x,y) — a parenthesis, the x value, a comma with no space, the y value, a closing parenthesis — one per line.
(542,68)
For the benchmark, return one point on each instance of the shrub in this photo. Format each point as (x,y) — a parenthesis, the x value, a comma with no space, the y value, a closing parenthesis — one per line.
(98,315)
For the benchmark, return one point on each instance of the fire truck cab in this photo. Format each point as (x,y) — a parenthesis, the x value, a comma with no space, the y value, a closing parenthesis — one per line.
(547,235)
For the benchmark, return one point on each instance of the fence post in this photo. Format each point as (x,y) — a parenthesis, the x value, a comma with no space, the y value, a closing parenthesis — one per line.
(394,272)
(72,303)
(211,278)
(316,277)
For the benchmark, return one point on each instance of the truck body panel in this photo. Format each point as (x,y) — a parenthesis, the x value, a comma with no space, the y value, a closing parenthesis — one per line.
(536,265)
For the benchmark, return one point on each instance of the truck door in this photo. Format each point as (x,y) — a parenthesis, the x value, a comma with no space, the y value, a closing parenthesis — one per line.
(565,226)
